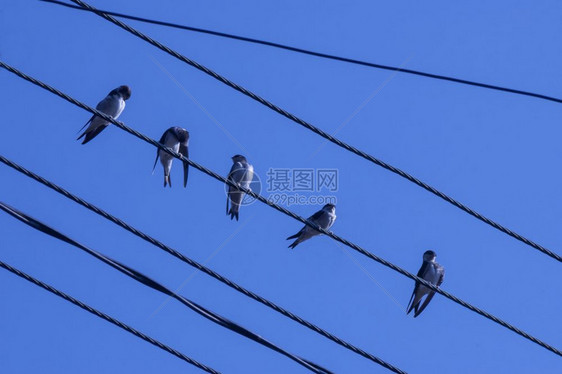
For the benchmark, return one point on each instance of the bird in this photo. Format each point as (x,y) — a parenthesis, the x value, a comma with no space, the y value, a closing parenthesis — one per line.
(241,174)
(432,272)
(177,139)
(324,218)
(112,105)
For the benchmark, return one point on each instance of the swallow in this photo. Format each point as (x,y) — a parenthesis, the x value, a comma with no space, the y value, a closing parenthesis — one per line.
(432,272)
(112,105)
(177,139)
(324,218)
(241,174)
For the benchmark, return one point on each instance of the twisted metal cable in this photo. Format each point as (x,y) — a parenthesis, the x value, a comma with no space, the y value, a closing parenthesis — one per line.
(269,203)
(149,282)
(107,318)
(323,134)
(317,54)
(199,266)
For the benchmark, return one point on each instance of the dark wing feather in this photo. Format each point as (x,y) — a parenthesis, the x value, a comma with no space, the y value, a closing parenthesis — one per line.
(163,137)
(176,132)
(422,270)
(156,161)
(410,306)
(234,167)
(297,234)
(424,304)
(102,107)
(430,295)
(312,218)
(230,188)
(83,127)
(185,153)
(316,216)
(420,274)
(161,141)
(92,134)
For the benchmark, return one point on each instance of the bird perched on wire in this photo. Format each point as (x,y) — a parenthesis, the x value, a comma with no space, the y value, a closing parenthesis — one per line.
(432,272)
(241,174)
(177,139)
(324,218)
(112,105)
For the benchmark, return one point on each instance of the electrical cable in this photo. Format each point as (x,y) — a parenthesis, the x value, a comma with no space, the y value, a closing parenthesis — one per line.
(316,54)
(197,265)
(147,281)
(262,199)
(107,318)
(323,134)
(138,276)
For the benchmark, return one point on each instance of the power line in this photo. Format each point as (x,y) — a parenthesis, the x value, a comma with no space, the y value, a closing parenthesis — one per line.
(271,204)
(198,266)
(107,318)
(147,281)
(323,134)
(316,54)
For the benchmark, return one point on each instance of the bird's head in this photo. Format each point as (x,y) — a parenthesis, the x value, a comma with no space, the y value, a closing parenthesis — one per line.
(429,256)
(329,207)
(238,158)
(124,91)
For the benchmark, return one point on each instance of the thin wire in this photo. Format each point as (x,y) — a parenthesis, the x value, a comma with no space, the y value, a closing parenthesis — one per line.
(320,132)
(317,54)
(147,281)
(107,318)
(197,265)
(269,203)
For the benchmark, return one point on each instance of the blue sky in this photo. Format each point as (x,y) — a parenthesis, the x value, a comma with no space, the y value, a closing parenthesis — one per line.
(496,152)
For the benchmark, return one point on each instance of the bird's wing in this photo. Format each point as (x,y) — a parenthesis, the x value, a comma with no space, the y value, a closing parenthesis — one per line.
(297,234)
(111,105)
(230,188)
(235,175)
(421,273)
(431,293)
(163,142)
(410,306)
(87,123)
(104,106)
(227,200)
(423,269)
(424,304)
(316,216)
(163,137)
(175,132)
(184,151)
